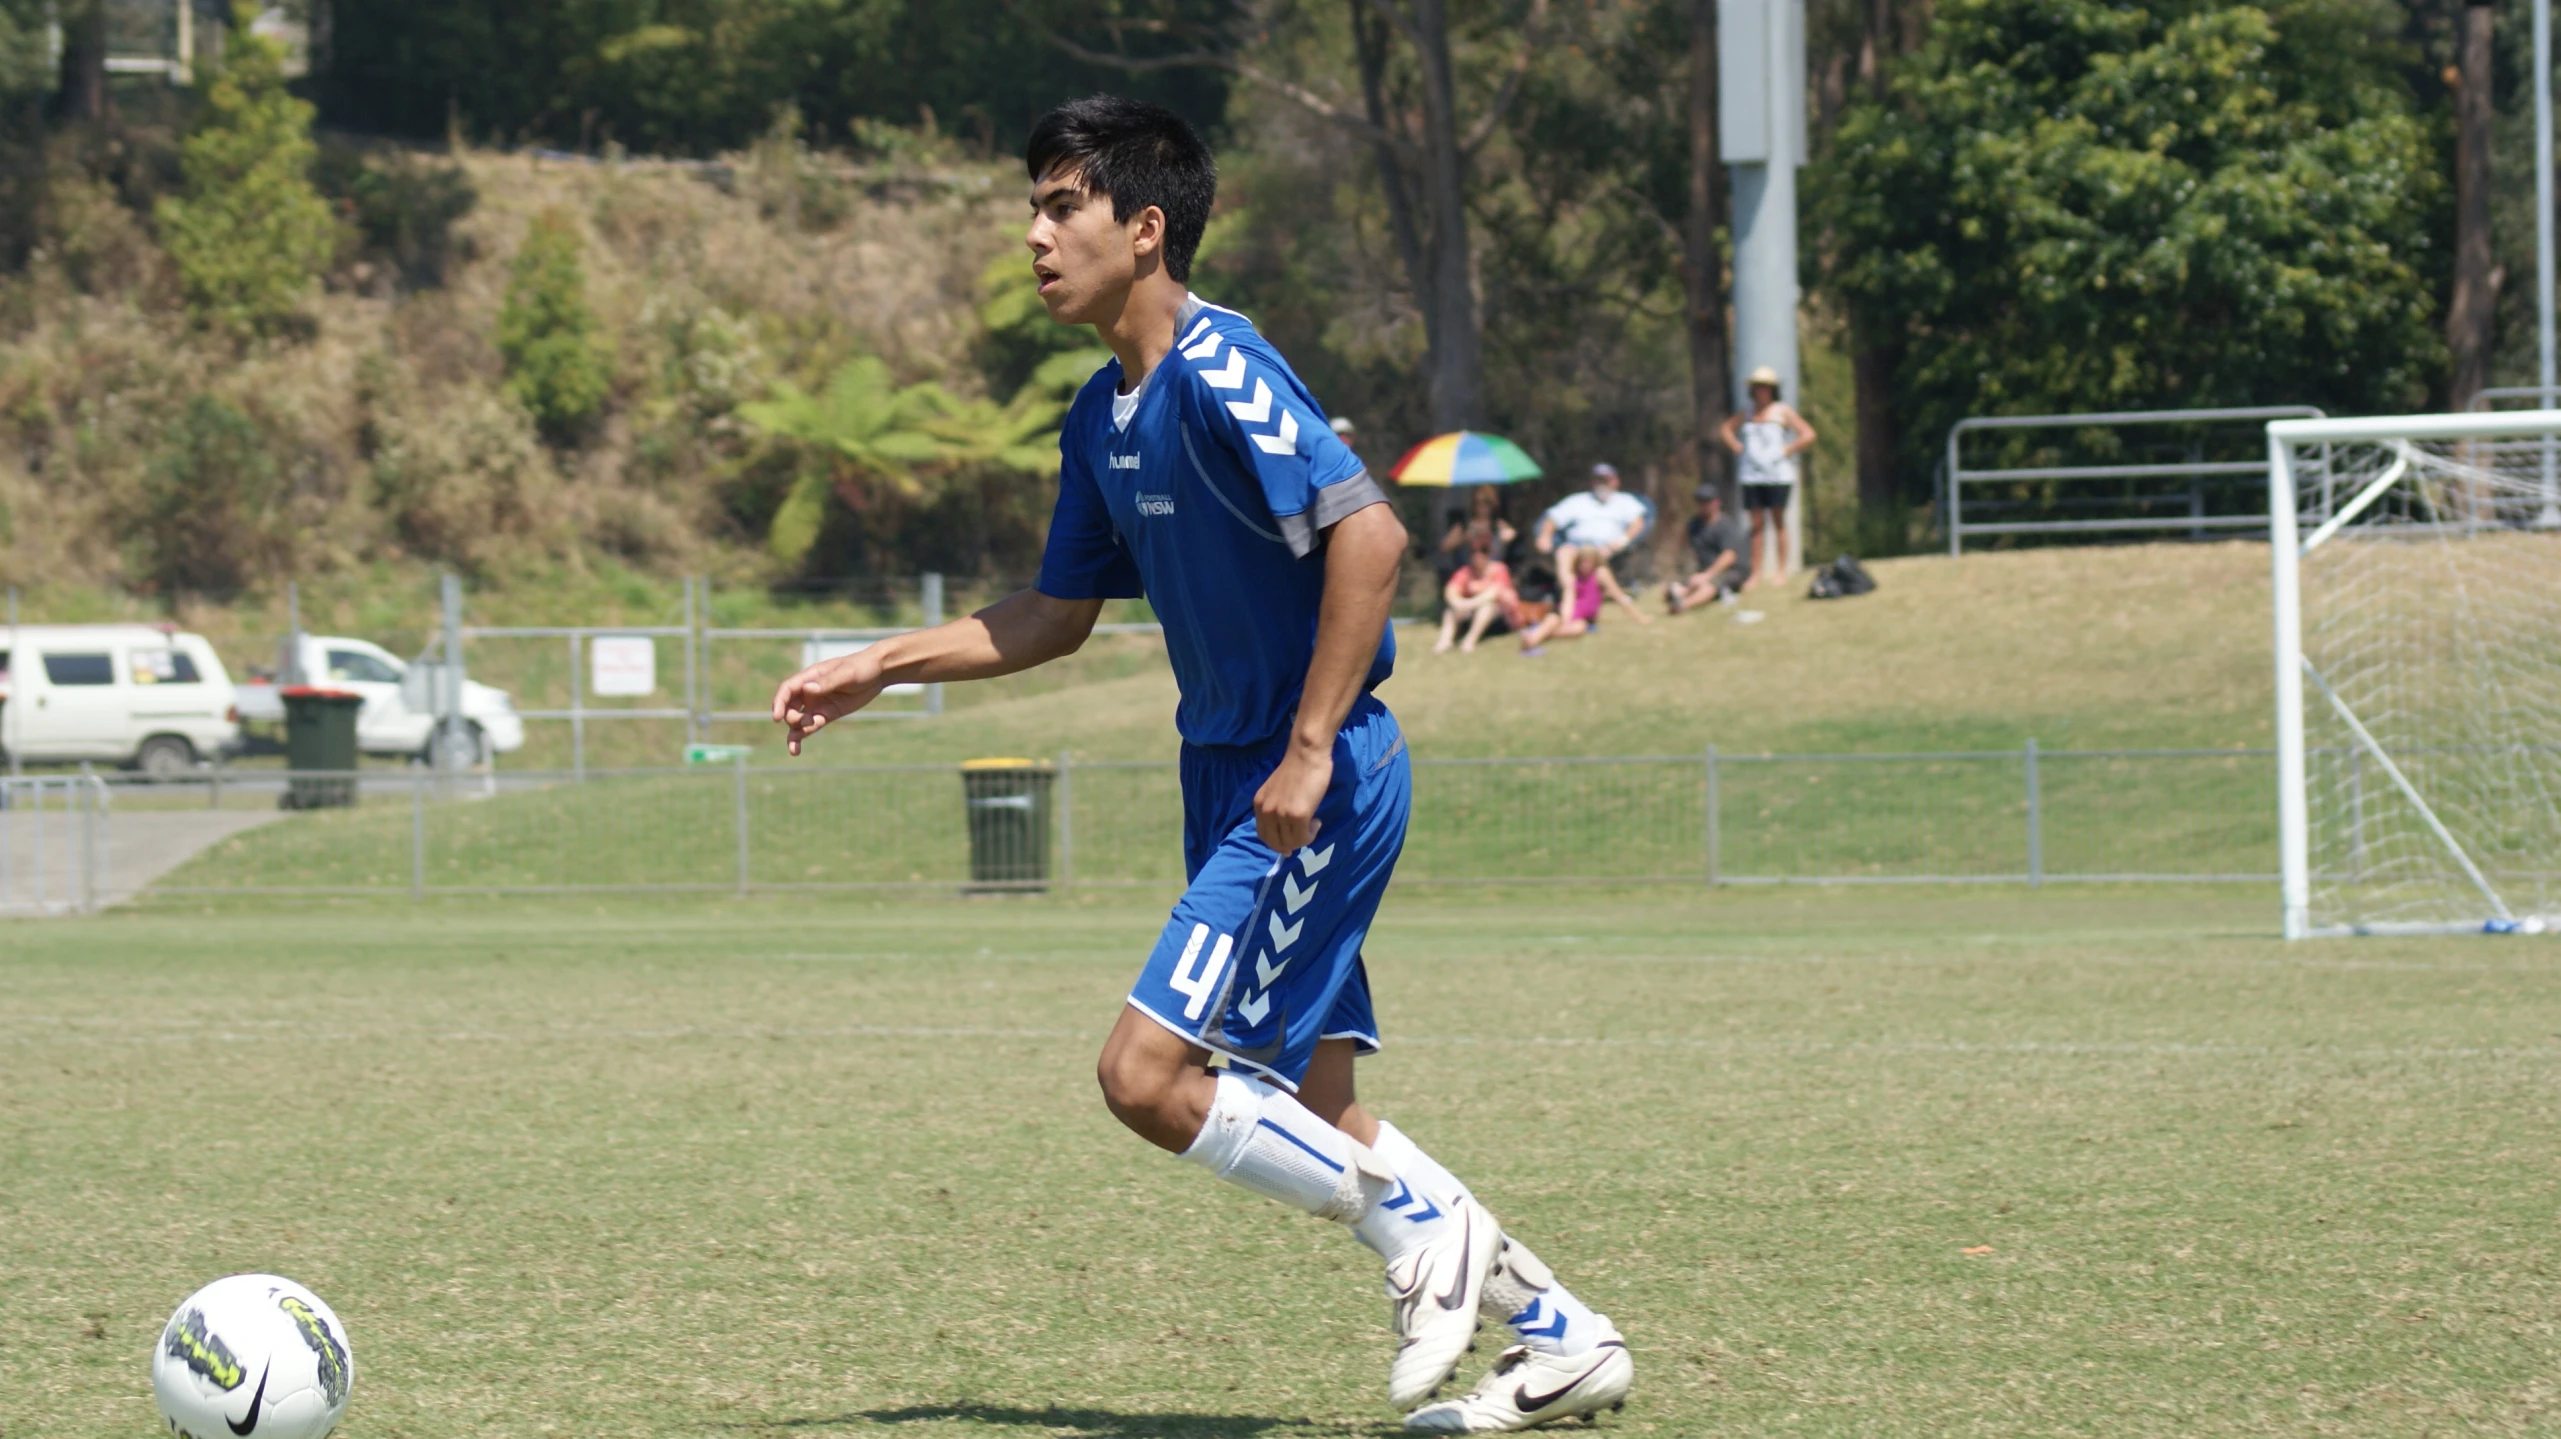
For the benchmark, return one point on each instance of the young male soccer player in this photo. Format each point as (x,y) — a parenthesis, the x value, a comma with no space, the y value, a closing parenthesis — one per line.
(1196,470)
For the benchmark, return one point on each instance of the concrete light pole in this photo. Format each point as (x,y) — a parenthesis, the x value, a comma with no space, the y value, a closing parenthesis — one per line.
(1760,122)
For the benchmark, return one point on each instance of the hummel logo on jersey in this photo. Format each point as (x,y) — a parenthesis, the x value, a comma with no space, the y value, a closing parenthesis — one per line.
(1124,462)
(1155,504)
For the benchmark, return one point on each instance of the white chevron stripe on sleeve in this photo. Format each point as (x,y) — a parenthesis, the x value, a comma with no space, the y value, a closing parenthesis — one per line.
(1231,377)
(1198,325)
(1284,443)
(1256,410)
(1207,347)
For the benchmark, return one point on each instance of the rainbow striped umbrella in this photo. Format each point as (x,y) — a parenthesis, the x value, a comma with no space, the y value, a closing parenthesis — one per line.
(1464,457)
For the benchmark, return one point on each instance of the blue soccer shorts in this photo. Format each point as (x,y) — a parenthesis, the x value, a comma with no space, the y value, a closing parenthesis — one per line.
(1262,957)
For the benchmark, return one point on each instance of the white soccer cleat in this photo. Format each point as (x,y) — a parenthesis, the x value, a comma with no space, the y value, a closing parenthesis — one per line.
(1435,1291)
(1528,1388)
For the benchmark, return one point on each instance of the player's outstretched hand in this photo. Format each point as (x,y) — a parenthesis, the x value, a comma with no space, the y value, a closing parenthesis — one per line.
(827,690)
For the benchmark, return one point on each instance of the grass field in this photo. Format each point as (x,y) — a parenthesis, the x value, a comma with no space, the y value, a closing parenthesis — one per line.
(1933,1162)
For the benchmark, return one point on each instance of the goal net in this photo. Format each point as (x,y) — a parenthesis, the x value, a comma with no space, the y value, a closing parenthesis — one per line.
(2417,562)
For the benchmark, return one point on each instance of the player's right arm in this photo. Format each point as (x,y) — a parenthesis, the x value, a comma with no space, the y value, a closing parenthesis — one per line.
(1023,629)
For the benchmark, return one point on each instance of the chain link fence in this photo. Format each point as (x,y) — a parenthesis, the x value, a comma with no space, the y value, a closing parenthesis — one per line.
(53,844)
(2025,816)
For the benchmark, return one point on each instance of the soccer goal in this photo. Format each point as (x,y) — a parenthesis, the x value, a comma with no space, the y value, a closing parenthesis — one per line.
(2417,566)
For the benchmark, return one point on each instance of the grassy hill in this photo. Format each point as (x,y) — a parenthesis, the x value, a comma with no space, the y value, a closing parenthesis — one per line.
(2130,648)
(2154,645)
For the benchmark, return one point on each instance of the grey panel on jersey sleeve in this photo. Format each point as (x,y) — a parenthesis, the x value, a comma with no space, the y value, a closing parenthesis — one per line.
(1343,497)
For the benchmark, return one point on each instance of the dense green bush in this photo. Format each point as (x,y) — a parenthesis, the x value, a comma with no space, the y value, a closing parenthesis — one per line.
(556,368)
(250,234)
(402,209)
(2066,205)
(204,519)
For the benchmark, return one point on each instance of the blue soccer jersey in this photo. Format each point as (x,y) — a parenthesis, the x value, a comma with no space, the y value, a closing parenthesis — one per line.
(1210,500)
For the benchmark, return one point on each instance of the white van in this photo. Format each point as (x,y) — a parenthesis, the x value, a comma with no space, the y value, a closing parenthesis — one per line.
(156,699)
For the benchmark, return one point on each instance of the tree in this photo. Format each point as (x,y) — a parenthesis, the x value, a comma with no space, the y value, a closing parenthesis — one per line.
(698,76)
(205,516)
(1702,256)
(869,441)
(83,93)
(249,234)
(2064,205)
(1407,54)
(556,368)
(2472,310)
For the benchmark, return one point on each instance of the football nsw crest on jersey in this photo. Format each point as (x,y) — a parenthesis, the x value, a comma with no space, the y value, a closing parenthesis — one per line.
(1211,501)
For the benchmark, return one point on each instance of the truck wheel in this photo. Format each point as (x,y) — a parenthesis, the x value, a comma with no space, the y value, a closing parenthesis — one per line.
(466,750)
(165,757)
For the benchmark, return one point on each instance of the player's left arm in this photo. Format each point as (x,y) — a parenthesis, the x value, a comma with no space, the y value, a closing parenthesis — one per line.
(1363,551)
(1803,431)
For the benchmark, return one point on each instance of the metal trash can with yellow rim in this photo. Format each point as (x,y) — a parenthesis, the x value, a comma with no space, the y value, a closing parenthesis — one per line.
(1009,819)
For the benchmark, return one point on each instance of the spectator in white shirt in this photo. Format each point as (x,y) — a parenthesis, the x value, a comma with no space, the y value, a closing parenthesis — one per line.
(1602,520)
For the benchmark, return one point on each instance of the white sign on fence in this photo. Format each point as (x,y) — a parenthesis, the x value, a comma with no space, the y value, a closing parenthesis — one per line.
(812,651)
(622,665)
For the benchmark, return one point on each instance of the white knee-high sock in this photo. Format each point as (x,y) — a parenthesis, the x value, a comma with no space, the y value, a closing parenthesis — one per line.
(1522,1292)
(1259,1137)
(1414,1166)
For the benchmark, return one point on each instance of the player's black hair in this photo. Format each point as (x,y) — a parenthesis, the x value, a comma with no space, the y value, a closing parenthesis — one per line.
(1140,155)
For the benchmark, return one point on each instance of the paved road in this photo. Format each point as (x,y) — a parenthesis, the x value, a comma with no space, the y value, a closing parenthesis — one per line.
(39,855)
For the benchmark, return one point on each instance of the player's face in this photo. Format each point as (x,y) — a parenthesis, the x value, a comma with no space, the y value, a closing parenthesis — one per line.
(1084,260)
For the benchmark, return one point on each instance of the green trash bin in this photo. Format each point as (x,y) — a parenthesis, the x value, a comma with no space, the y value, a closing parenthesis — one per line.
(320,747)
(1008,807)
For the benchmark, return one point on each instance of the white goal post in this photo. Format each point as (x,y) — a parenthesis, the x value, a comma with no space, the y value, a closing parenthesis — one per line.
(2417,570)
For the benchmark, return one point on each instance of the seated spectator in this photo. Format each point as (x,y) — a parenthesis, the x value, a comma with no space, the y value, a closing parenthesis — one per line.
(1485,508)
(1480,593)
(1603,520)
(1581,613)
(1720,547)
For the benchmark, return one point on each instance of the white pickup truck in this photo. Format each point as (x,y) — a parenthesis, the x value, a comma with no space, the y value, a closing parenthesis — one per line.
(401,700)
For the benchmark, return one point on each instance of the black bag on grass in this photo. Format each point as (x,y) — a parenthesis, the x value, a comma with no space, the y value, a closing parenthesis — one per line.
(1844,576)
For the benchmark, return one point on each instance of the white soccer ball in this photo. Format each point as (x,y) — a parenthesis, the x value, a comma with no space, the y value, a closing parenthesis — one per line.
(253,1354)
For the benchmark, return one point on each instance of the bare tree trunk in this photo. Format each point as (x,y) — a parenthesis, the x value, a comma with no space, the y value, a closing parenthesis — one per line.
(84,93)
(2468,317)
(1872,371)
(1369,43)
(1453,299)
(1702,267)
(1873,363)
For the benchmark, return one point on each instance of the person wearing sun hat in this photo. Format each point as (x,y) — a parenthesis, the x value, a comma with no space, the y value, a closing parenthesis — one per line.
(1768,440)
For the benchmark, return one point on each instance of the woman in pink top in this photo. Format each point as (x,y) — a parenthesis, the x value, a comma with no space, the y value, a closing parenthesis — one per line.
(1582,609)
(1479,591)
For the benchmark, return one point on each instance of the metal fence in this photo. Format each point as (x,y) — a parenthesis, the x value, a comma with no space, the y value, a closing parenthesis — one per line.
(2163,486)
(704,687)
(53,844)
(2026,816)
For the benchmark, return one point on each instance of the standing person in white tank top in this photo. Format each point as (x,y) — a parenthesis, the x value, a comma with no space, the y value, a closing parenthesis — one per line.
(1768,440)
